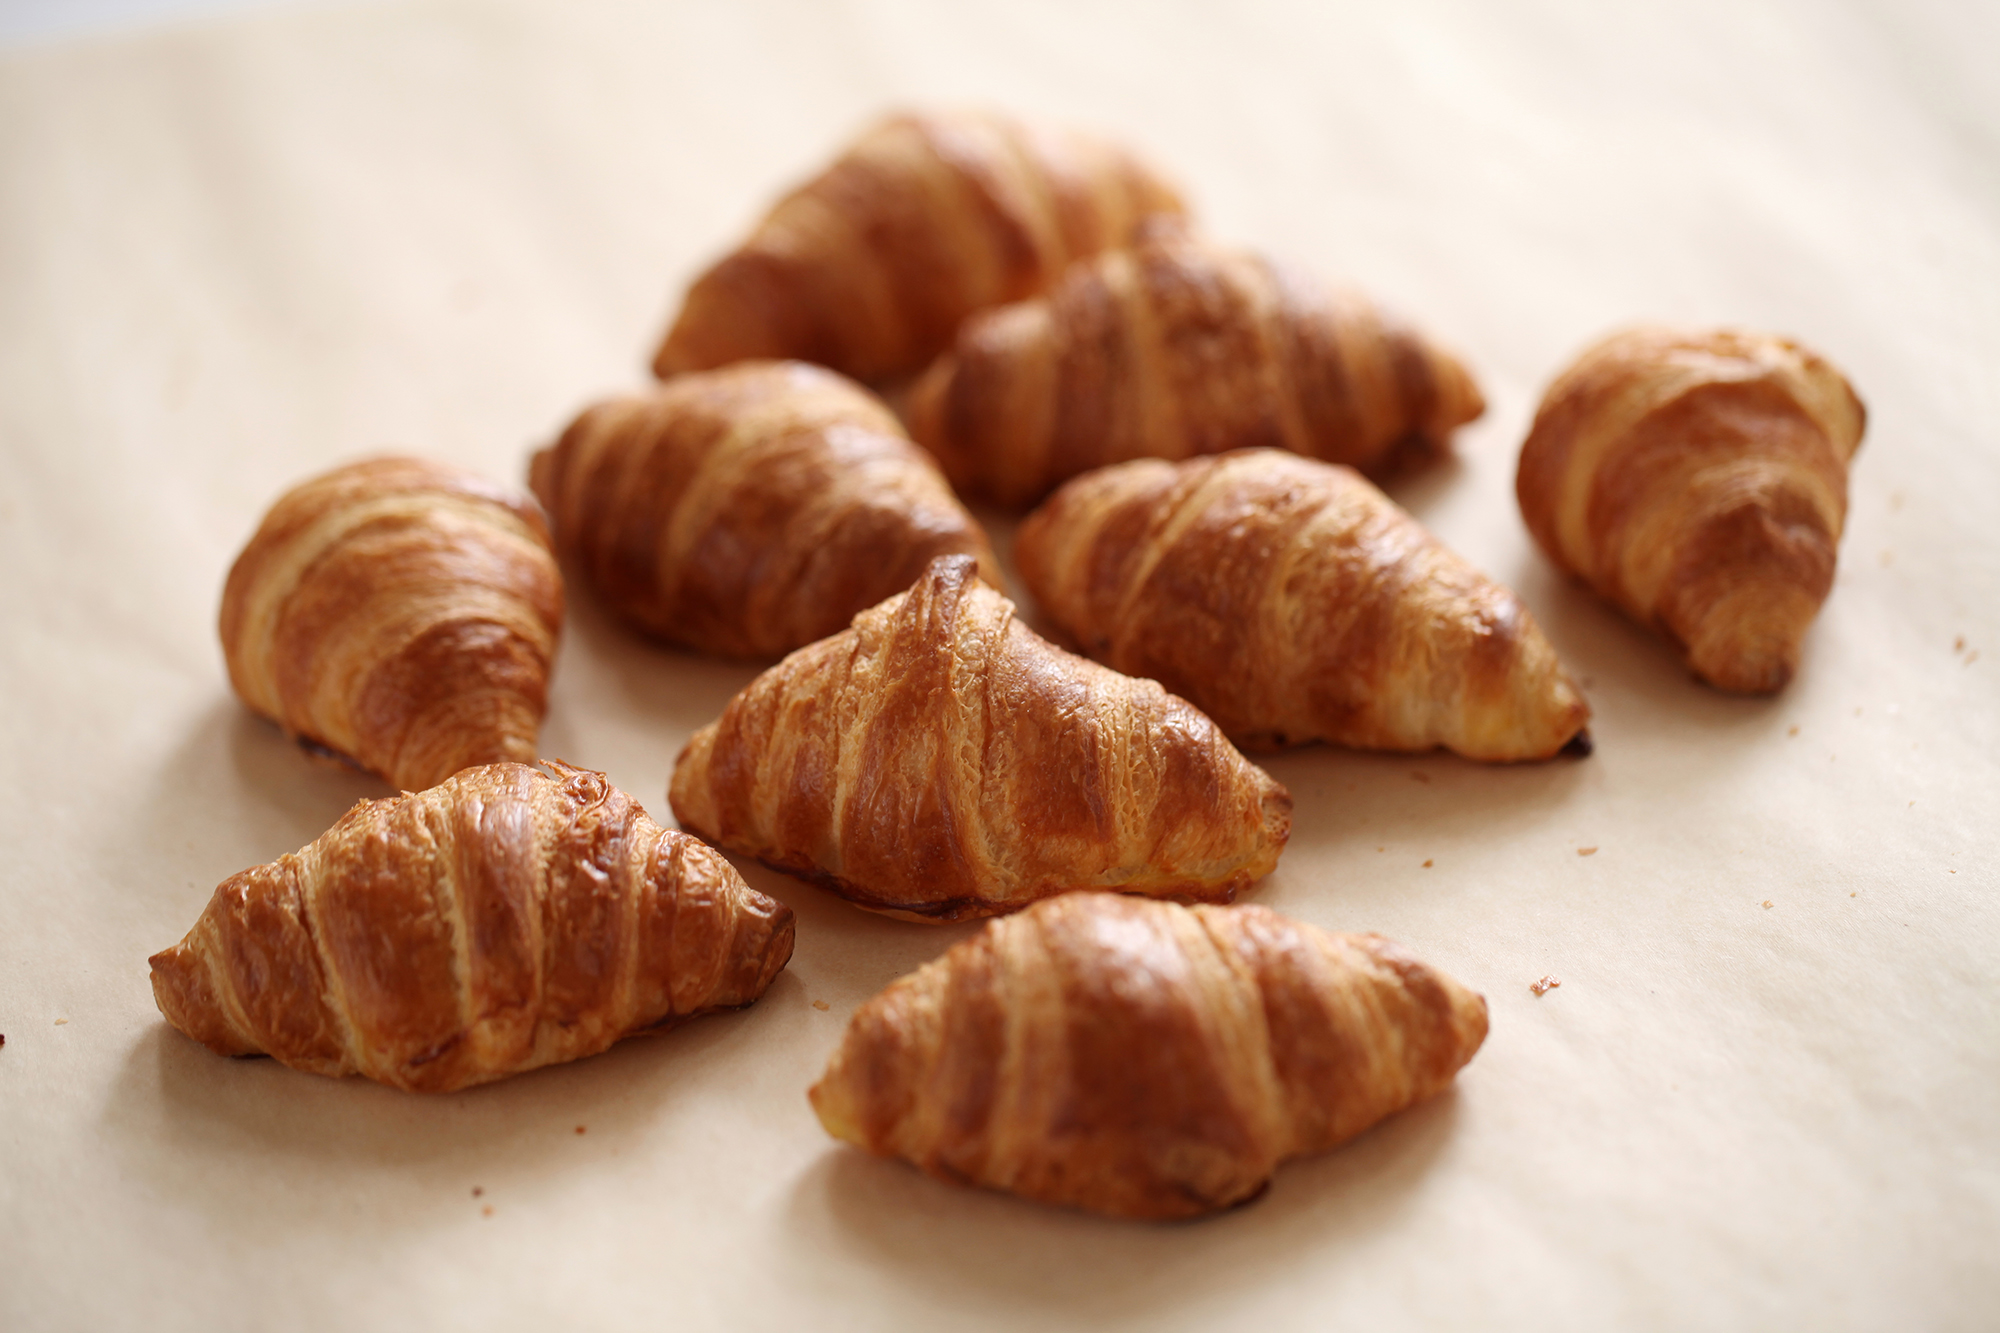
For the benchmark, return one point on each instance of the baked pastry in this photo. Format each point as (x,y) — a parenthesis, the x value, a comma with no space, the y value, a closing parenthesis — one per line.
(927,217)
(499,922)
(1175,348)
(1292,601)
(750,510)
(1698,479)
(401,615)
(1142,1059)
(940,760)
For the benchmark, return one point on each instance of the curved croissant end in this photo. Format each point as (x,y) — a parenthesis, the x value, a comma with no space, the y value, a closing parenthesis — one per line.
(499,922)
(940,760)
(751,510)
(1177,348)
(400,613)
(1141,1059)
(872,264)
(1292,601)
(1698,478)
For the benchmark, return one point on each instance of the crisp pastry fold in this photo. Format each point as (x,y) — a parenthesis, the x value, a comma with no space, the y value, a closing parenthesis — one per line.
(401,614)
(501,921)
(1292,601)
(1178,347)
(1698,479)
(1143,1059)
(938,760)
(870,266)
(750,510)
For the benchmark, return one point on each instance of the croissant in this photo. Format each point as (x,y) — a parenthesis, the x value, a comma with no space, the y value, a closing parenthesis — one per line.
(401,614)
(1175,348)
(870,266)
(750,510)
(1142,1059)
(1698,479)
(499,922)
(939,760)
(1292,601)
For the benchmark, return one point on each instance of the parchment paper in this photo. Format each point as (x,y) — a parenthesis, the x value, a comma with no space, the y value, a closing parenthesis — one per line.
(1764,1095)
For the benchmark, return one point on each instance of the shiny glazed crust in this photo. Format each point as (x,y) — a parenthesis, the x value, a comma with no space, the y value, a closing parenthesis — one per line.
(1698,479)
(497,923)
(400,613)
(870,266)
(940,760)
(751,510)
(1174,348)
(1143,1059)
(1292,601)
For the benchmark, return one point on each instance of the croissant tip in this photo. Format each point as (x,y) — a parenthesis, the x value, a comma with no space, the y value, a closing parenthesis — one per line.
(1579,746)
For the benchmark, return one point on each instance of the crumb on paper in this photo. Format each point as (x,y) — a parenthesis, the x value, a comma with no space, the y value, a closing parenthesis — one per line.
(1381,849)
(1792,730)
(1958,644)
(1972,657)
(1586,851)
(61,1021)
(1544,986)
(1767,902)
(478,1190)
(1428,864)
(821,1005)
(487,1211)
(1855,894)
(3,1039)
(580,1129)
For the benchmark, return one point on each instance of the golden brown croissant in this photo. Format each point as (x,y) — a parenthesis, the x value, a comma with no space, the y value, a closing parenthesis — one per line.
(1292,601)
(1142,1059)
(399,613)
(940,760)
(750,510)
(1176,348)
(499,922)
(1698,478)
(870,266)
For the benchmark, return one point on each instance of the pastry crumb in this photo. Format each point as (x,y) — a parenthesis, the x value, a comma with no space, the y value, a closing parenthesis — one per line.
(580,1129)
(478,1190)
(1793,730)
(61,1021)
(1586,851)
(1544,986)
(821,1005)
(1855,894)
(1958,644)
(1767,902)
(487,1211)
(1381,849)
(1972,657)
(1428,864)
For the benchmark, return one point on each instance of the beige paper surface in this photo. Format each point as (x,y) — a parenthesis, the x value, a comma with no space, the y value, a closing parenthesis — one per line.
(234,255)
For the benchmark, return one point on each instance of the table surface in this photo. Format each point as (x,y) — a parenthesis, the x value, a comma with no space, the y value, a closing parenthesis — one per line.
(236,252)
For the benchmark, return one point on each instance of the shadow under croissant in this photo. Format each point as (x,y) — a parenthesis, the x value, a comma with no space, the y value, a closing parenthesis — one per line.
(225,1137)
(1060,1261)
(1639,684)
